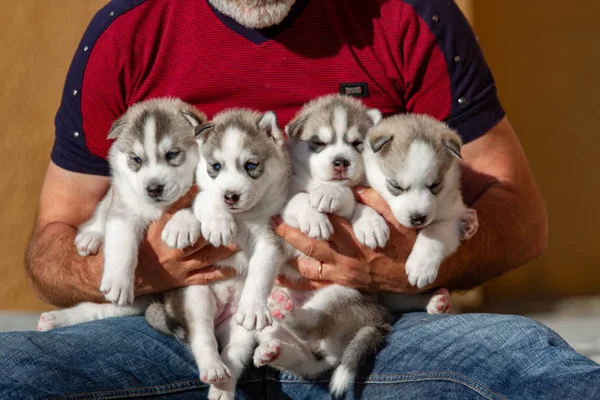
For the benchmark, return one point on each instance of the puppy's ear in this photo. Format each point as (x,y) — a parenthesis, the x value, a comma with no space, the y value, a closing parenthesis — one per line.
(116,128)
(200,131)
(375,115)
(268,125)
(194,117)
(295,126)
(380,142)
(453,143)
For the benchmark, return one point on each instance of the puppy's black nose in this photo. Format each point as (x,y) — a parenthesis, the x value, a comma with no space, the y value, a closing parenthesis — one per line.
(340,164)
(154,190)
(417,219)
(231,198)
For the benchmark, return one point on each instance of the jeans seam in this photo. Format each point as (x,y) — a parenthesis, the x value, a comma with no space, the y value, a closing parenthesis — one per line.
(141,391)
(472,384)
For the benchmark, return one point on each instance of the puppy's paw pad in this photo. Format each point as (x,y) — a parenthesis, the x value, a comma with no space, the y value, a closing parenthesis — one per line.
(280,304)
(47,321)
(267,352)
(253,316)
(440,302)
(216,373)
(117,291)
(88,242)
(181,231)
(469,224)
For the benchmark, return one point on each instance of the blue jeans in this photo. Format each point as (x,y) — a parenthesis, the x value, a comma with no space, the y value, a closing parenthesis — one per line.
(470,356)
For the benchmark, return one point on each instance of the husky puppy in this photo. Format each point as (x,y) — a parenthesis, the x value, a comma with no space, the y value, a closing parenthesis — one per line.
(152,165)
(244,174)
(413,162)
(336,326)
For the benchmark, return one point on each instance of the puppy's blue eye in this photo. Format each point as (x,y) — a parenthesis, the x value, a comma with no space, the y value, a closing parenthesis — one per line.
(250,166)
(171,155)
(137,160)
(216,166)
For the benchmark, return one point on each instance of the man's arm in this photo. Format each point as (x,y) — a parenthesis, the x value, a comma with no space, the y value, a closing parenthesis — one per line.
(60,276)
(513,227)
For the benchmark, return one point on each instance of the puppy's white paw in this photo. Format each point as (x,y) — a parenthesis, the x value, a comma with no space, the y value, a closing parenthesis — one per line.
(421,269)
(440,302)
(280,304)
(219,229)
(182,230)
(315,225)
(214,371)
(214,393)
(88,242)
(469,224)
(267,352)
(253,316)
(372,231)
(49,320)
(117,289)
(325,199)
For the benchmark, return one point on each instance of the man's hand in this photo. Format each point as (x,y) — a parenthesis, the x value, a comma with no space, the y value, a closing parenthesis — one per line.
(345,261)
(161,267)
(513,228)
(62,277)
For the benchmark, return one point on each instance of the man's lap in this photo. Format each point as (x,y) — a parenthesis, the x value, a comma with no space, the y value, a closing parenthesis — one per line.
(465,356)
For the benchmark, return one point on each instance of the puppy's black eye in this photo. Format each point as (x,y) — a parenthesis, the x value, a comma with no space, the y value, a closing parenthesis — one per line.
(137,160)
(250,166)
(358,145)
(172,154)
(436,187)
(395,188)
(216,166)
(316,144)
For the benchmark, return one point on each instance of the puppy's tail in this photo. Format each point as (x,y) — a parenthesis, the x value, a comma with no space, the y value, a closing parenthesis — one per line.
(365,344)
(157,317)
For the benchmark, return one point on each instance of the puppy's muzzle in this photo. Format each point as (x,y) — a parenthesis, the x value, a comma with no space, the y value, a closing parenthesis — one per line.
(155,190)
(417,219)
(340,168)
(231,198)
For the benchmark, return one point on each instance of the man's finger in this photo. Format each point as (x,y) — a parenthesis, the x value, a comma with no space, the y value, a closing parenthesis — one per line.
(319,249)
(300,284)
(208,275)
(369,197)
(207,255)
(309,269)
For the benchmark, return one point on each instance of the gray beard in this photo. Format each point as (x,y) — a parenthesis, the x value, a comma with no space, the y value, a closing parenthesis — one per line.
(255,14)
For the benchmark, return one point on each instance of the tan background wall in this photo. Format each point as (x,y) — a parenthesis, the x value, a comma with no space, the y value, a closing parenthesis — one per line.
(543,54)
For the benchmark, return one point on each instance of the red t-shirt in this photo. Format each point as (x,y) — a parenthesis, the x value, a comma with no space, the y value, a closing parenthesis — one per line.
(398,56)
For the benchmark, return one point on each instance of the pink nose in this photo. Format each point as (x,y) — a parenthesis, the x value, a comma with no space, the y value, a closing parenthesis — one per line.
(341,164)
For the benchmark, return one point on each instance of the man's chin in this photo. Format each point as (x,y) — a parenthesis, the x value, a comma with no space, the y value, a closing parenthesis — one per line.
(255,14)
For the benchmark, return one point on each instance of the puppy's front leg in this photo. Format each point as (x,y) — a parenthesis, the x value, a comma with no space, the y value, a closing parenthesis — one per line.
(263,267)
(334,199)
(182,230)
(434,243)
(217,225)
(299,214)
(90,235)
(123,236)
(369,227)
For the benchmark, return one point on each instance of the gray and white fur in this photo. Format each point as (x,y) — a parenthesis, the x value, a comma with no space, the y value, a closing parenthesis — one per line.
(152,163)
(413,162)
(244,175)
(336,327)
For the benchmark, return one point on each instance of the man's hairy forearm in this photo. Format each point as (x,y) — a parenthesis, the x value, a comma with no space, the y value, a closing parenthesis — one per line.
(512,231)
(57,273)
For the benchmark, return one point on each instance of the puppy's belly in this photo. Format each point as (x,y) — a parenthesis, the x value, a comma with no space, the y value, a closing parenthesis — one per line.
(227,296)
